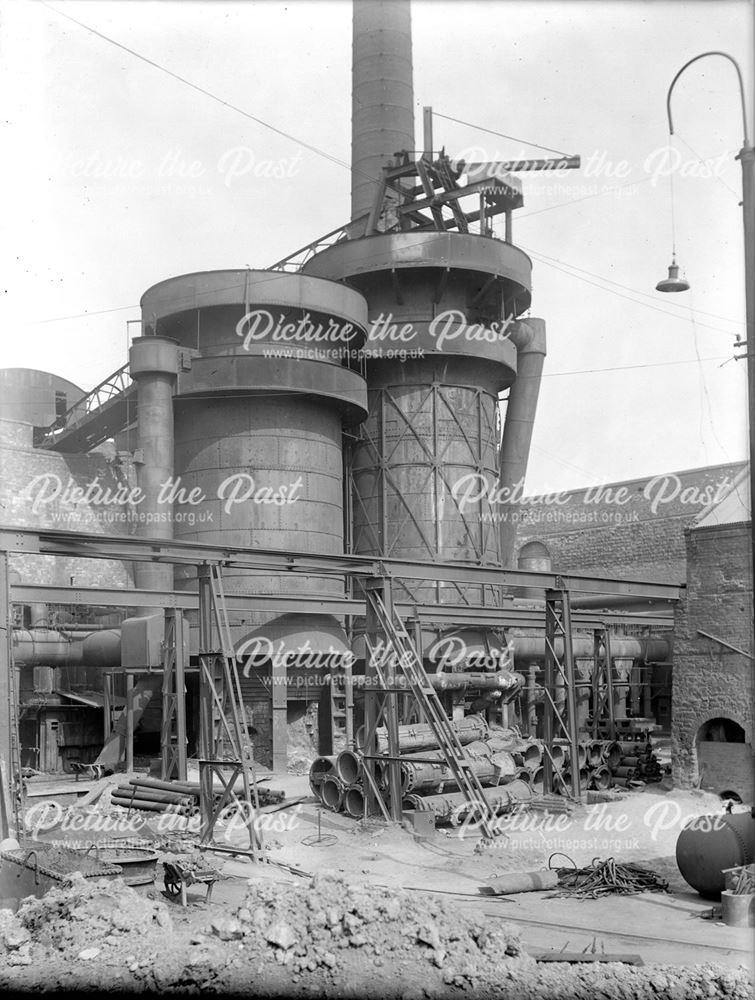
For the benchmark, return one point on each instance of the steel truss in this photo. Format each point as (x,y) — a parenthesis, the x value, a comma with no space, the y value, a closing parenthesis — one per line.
(225,743)
(560,696)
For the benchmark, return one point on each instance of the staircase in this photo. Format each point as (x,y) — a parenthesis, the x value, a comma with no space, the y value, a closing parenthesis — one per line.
(410,665)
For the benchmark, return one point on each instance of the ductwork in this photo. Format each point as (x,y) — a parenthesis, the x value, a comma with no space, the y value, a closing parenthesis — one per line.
(529,339)
(531,649)
(48,648)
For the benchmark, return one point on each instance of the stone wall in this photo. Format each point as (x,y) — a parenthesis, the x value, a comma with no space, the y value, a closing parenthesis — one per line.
(711,680)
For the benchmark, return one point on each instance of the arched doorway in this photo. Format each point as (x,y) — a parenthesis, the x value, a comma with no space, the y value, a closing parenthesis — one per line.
(725,761)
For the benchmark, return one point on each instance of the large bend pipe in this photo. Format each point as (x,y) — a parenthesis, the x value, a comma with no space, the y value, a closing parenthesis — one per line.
(529,339)
(48,648)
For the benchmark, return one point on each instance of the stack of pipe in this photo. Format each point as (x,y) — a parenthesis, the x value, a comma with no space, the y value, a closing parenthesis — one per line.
(637,764)
(182,797)
(498,758)
(607,764)
(151,795)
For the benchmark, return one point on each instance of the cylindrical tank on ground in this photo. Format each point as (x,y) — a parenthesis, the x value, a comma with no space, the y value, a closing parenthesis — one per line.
(709,844)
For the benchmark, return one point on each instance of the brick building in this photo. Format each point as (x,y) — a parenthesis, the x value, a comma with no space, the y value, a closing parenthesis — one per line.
(713,685)
(686,527)
(632,529)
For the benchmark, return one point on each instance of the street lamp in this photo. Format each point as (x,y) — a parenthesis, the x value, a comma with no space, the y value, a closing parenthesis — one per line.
(746,156)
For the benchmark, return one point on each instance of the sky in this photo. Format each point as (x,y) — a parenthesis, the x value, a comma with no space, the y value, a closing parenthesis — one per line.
(118,176)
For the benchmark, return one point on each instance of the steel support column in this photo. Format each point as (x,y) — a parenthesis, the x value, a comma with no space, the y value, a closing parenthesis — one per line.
(173,731)
(8,779)
(559,672)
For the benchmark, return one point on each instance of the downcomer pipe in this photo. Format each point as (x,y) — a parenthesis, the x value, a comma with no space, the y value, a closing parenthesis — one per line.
(153,364)
(529,339)
(382,94)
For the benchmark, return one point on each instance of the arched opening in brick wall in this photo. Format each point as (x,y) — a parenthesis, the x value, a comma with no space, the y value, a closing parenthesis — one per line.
(720,730)
(724,759)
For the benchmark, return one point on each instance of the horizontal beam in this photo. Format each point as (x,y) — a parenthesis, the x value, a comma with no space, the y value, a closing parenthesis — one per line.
(429,614)
(87,546)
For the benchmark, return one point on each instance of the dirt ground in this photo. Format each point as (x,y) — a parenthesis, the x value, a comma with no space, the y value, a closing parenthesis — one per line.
(348,909)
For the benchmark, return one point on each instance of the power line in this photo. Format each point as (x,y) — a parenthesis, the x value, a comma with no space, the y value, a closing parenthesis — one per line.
(636,302)
(502,135)
(204,91)
(624,368)
(586,197)
(546,258)
(94,312)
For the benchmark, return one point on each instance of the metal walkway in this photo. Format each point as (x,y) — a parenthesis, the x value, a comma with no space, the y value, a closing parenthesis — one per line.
(109,408)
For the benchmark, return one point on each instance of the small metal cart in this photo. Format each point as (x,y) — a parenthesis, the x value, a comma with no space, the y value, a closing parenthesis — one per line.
(179,876)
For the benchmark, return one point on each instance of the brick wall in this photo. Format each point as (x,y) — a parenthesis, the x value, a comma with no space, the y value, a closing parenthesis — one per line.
(711,680)
(632,529)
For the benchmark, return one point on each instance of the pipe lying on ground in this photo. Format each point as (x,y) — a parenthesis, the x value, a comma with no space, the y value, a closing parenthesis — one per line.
(612,754)
(188,787)
(349,767)
(150,795)
(331,792)
(514,882)
(353,801)
(319,771)
(145,806)
(600,778)
(489,771)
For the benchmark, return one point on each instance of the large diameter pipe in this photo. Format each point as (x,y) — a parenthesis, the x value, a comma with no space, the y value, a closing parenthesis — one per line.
(527,648)
(421,777)
(420,736)
(474,751)
(49,648)
(498,680)
(153,365)
(382,111)
(322,767)
(529,339)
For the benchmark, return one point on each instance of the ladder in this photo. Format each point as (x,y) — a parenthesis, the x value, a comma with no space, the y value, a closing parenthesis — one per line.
(412,668)
(225,735)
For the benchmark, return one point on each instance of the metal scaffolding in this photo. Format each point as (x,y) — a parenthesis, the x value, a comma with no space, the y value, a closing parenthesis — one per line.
(224,720)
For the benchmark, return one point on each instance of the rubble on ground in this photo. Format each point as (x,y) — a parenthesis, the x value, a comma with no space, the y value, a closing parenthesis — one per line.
(311,928)
(82,913)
